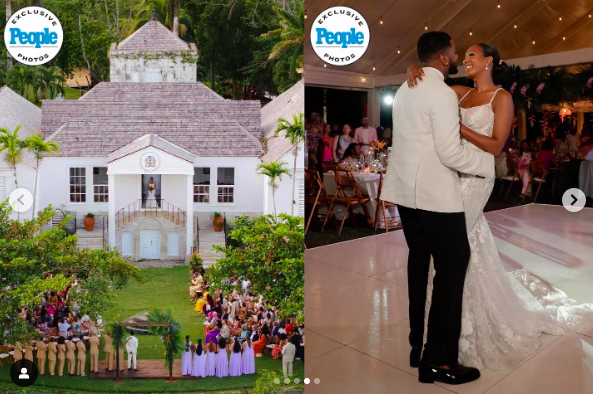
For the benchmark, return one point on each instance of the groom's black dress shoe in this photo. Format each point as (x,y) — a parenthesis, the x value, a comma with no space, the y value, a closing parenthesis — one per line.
(415,356)
(456,374)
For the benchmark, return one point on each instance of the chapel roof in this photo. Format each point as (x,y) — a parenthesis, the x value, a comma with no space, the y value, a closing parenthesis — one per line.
(16,110)
(190,115)
(289,103)
(151,140)
(153,37)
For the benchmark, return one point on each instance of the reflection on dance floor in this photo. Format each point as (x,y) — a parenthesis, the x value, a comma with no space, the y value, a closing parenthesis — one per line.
(357,308)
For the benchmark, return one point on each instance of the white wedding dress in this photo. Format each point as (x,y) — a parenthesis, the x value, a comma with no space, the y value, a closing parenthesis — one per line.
(504,313)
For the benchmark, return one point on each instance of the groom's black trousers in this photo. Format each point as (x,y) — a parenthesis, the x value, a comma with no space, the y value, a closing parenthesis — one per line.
(444,237)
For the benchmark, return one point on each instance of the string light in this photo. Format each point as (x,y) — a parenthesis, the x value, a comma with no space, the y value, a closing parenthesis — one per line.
(563,37)
(381,21)
(398,51)
(515,26)
(426,26)
(533,41)
(305,14)
(470,32)
(374,67)
(499,4)
(560,18)
(589,15)
(363,79)
(324,64)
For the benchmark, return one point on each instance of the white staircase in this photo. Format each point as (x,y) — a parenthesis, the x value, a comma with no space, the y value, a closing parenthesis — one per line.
(90,239)
(209,238)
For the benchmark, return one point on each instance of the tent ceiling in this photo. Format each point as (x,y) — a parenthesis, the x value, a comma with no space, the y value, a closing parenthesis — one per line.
(404,22)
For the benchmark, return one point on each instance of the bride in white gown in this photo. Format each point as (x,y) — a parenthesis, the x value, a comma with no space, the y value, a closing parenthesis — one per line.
(504,313)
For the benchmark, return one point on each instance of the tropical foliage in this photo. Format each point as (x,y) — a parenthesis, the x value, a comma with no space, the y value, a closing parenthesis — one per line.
(295,133)
(274,171)
(270,256)
(170,335)
(34,262)
(35,82)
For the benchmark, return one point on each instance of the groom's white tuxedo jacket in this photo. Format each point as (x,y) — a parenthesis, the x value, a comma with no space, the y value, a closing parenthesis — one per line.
(427,152)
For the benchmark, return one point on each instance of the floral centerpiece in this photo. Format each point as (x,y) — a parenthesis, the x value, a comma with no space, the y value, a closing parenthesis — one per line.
(195,261)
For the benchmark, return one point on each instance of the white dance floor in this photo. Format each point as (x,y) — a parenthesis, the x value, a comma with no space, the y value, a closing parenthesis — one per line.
(356,309)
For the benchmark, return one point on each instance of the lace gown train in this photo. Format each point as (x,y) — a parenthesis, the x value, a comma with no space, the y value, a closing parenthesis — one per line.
(504,313)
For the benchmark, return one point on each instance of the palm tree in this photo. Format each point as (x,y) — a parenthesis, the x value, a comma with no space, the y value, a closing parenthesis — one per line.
(19,78)
(166,11)
(13,148)
(39,147)
(273,170)
(295,133)
(49,79)
(290,37)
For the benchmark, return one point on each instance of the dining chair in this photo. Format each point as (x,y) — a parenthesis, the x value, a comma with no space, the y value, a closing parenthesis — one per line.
(315,196)
(348,193)
(382,205)
(538,175)
(329,166)
(5,356)
(511,176)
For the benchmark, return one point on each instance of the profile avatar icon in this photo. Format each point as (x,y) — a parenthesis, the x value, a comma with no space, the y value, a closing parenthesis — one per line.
(23,374)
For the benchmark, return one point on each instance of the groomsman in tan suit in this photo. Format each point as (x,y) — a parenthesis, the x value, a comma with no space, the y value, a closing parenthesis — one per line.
(28,352)
(108,349)
(41,356)
(94,344)
(71,356)
(61,355)
(52,349)
(81,356)
(17,354)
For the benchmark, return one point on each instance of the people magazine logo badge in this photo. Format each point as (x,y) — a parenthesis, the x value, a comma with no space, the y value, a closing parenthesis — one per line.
(340,36)
(33,36)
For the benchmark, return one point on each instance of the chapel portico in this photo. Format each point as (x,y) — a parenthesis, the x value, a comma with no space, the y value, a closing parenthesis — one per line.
(151,155)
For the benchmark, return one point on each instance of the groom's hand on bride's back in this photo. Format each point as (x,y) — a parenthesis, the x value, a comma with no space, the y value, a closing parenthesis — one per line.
(415,74)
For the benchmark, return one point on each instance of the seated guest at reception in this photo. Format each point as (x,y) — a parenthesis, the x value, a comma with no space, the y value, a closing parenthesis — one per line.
(352,154)
(546,157)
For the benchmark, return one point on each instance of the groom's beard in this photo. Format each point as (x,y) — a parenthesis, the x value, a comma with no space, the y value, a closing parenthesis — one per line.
(453,68)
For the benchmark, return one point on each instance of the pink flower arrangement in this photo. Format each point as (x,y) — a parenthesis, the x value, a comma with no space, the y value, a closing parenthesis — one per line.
(590,83)
(513,87)
(540,87)
(524,90)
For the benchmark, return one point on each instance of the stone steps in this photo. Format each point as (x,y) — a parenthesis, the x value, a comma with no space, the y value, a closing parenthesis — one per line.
(209,238)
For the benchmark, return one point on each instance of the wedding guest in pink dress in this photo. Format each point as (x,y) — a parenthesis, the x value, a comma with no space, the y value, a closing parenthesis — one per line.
(327,143)
(199,365)
(210,358)
(222,359)
(186,358)
(523,169)
(235,369)
(248,358)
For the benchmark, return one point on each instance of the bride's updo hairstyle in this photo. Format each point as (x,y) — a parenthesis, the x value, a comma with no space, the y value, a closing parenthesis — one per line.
(498,66)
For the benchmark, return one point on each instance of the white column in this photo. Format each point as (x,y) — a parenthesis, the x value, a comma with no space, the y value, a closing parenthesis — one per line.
(112,224)
(190,214)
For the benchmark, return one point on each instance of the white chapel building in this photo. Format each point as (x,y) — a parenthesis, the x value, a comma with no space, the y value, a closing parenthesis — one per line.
(154,121)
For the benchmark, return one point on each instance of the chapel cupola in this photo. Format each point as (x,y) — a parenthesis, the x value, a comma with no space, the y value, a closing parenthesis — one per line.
(153,54)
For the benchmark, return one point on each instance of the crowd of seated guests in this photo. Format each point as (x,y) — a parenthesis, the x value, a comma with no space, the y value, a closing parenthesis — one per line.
(246,318)
(57,315)
(565,143)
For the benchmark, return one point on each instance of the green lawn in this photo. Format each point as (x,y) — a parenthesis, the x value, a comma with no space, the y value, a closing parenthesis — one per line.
(163,288)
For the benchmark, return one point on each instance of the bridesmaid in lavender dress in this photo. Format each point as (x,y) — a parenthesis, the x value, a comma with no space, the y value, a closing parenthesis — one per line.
(235,369)
(186,358)
(222,360)
(210,358)
(248,358)
(199,365)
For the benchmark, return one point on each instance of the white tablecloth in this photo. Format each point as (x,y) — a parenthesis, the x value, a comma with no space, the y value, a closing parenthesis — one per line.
(368,184)
(586,178)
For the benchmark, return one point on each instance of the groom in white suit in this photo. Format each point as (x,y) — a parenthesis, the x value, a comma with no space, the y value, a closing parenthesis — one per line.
(132,349)
(422,178)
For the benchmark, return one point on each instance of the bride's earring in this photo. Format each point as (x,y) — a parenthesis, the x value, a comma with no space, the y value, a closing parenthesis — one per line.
(486,67)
